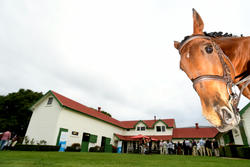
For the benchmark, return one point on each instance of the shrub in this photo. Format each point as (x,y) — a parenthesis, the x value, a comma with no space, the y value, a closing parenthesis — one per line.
(114,149)
(228,152)
(102,149)
(95,149)
(222,151)
(75,147)
(32,142)
(243,152)
(231,150)
(20,147)
(26,140)
(42,142)
(72,149)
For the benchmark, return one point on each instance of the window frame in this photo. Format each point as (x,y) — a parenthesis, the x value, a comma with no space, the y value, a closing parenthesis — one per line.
(143,128)
(158,128)
(50,101)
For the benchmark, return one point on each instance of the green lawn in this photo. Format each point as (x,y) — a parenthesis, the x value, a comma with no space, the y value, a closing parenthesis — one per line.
(77,159)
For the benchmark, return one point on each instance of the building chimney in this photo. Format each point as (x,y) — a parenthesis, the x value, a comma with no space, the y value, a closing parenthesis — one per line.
(155,118)
(196,125)
(99,109)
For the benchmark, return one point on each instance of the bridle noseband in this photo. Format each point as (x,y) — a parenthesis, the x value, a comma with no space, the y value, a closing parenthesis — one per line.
(226,77)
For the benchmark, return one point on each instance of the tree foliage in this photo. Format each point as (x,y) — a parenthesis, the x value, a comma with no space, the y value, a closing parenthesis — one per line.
(14,110)
(108,114)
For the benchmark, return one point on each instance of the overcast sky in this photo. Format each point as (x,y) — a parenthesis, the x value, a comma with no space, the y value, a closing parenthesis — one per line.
(118,55)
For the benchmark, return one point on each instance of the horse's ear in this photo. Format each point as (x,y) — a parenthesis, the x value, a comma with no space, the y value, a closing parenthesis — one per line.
(176,44)
(198,23)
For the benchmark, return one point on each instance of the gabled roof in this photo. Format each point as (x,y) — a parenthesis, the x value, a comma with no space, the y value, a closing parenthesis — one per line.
(204,132)
(71,104)
(149,123)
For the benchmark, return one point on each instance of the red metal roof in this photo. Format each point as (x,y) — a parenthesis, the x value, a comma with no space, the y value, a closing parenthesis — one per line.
(126,138)
(149,123)
(84,109)
(161,137)
(94,113)
(201,132)
(130,138)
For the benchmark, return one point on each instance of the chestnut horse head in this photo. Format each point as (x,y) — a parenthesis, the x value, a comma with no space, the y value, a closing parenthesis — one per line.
(212,73)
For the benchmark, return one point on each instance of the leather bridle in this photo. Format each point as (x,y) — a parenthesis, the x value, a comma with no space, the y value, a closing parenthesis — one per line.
(227,73)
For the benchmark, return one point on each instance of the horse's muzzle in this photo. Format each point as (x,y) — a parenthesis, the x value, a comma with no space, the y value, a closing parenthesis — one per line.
(229,118)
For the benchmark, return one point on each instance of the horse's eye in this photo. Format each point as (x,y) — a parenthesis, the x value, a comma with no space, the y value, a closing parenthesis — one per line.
(209,49)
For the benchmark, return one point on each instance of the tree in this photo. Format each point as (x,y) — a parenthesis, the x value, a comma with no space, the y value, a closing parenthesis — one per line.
(14,110)
(104,112)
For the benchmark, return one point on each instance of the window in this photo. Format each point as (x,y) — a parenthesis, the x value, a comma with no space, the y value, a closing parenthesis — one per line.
(50,101)
(75,133)
(163,128)
(141,128)
(158,128)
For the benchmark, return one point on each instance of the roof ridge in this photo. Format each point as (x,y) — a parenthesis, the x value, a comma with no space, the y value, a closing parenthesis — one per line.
(149,120)
(90,108)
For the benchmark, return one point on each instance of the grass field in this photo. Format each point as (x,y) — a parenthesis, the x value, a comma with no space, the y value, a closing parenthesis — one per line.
(77,159)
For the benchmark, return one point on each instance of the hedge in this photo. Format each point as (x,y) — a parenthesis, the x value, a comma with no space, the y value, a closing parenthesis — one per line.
(72,149)
(95,149)
(243,152)
(222,151)
(235,151)
(34,148)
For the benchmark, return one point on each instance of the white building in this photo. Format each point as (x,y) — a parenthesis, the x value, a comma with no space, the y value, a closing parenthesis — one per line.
(240,135)
(54,115)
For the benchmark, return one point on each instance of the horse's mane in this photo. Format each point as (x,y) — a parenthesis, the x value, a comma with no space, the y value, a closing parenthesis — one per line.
(213,35)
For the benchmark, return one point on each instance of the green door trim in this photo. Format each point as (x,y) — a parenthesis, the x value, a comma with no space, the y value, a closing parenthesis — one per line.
(59,135)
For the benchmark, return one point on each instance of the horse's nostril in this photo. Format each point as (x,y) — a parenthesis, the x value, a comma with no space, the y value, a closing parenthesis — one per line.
(226,115)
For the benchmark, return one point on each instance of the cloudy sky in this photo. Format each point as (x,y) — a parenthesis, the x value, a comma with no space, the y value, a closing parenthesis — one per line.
(110,53)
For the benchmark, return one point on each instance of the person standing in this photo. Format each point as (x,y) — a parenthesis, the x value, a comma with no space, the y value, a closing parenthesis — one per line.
(202,147)
(161,147)
(184,147)
(216,148)
(169,147)
(179,148)
(5,139)
(198,148)
(188,147)
(165,146)
(194,151)
(208,146)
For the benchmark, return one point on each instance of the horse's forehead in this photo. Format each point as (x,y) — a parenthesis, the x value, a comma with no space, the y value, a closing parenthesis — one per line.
(191,49)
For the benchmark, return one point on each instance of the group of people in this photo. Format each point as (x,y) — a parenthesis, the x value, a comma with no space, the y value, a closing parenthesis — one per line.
(191,147)
(145,145)
(7,140)
(167,147)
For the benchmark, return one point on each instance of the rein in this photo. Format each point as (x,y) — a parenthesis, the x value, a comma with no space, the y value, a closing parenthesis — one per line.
(226,77)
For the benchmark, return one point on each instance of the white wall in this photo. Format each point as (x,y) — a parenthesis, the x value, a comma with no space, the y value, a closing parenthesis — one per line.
(132,132)
(237,136)
(246,123)
(221,141)
(42,125)
(75,121)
